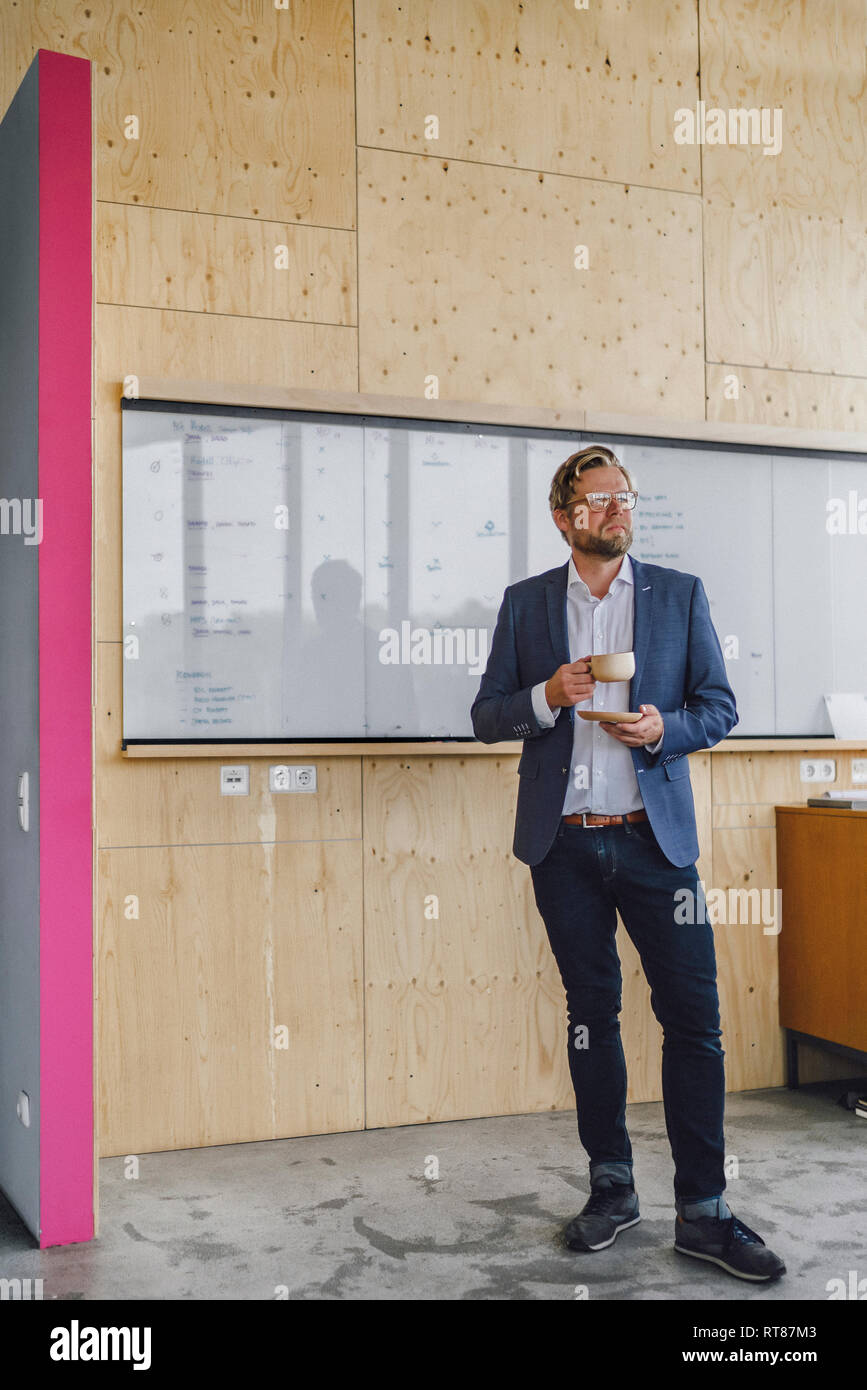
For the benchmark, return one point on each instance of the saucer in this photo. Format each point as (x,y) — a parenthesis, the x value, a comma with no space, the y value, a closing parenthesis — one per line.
(602,716)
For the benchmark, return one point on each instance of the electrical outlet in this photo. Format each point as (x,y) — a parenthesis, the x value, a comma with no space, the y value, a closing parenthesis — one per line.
(281,778)
(235,780)
(859,770)
(305,779)
(818,770)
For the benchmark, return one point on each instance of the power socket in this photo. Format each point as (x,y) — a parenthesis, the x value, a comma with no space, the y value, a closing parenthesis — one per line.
(284,777)
(818,770)
(281,778)
(859,770)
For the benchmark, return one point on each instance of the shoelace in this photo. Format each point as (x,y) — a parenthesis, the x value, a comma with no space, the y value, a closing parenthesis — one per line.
(602,1199)
(737,1231)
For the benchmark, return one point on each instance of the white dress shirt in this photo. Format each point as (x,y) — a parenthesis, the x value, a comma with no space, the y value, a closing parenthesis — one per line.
(602,777)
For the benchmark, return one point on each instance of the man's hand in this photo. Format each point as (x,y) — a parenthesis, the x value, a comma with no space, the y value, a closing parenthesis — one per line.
(646,730)
(571,684)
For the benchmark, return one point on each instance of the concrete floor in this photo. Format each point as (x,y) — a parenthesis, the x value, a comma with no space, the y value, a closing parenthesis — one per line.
(354,1216)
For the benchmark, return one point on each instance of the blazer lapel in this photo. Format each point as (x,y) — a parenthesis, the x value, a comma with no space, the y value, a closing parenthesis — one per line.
(556,597)
(642,623)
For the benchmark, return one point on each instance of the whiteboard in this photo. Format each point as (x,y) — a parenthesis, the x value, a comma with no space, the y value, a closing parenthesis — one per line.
(299,575)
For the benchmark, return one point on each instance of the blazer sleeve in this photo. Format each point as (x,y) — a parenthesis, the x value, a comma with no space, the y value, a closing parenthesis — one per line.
(709,711)
(501,710)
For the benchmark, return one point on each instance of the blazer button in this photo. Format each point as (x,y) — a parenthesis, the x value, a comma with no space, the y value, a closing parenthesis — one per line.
(564,769)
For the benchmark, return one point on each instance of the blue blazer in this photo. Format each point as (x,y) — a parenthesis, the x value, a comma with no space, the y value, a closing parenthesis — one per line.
(679,667)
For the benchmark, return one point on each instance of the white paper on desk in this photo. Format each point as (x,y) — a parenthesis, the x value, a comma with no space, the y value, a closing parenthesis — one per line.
(852,794)
(848,715)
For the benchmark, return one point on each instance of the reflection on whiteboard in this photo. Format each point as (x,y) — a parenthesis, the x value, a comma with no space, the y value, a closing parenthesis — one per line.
(296,575)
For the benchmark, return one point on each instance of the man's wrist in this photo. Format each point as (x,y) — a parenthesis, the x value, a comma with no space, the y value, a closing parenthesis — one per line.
(546,716)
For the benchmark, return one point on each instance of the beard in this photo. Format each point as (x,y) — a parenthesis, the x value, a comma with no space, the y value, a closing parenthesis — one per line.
(609,546)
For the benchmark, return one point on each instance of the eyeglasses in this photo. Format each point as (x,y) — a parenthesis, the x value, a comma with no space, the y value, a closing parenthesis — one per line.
(601,501)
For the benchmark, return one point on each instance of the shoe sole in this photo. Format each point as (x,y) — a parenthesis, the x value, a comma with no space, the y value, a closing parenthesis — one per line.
(738,1273)
(603,1245)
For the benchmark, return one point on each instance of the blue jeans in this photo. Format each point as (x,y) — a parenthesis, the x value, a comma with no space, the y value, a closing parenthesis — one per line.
(588,874)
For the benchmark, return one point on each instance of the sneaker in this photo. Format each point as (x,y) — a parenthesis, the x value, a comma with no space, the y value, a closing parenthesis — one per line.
(729,1244)
(610,1210)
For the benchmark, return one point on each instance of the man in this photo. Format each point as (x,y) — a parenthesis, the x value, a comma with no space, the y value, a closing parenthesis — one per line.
(606,822)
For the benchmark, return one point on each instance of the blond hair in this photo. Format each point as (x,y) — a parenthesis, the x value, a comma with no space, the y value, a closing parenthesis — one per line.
(564,480)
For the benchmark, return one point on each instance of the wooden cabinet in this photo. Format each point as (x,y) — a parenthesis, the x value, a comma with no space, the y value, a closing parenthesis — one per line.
(822,876)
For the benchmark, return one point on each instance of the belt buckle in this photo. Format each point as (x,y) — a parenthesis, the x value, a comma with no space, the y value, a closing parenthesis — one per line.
(584,815)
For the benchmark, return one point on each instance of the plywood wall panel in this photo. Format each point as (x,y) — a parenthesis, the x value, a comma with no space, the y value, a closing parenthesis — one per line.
(756,779)
(224,265)
(747,960)
(785,290)
(242,108)
(700,776)
(801,399)
(784,233)
(216,347)
(545,86)
(466,272)
(807,60)
(464,1011)
(230,943)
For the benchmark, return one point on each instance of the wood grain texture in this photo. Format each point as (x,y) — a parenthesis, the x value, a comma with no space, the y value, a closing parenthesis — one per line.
(785,290)
(231,942)
(762,778)
(470,749)
(224,265)
(464,1010)
(747,959)
(784,233)
(539,86)
(808,60)
(823,952)
(478,287)
(243,109)
(805,400)
(496,413)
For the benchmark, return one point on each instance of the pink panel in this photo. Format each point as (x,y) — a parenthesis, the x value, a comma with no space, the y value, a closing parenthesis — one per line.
(65,840)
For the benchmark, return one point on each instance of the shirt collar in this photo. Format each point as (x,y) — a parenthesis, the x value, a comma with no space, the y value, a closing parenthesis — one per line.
(624,573)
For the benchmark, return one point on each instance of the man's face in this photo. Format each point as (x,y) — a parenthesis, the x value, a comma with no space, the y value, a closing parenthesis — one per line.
(607,533)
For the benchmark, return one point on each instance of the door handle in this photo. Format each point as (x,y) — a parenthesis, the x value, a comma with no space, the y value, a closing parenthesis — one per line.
(24,800)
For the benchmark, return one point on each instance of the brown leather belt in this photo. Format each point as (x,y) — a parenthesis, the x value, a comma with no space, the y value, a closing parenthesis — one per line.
(586,818)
